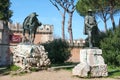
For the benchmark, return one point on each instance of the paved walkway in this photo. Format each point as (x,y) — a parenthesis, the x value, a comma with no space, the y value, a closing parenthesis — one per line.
(48,75)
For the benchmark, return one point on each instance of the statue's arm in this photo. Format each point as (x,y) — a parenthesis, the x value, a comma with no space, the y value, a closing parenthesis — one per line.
(95,22)
(31,20)
(87,23)
(40,23)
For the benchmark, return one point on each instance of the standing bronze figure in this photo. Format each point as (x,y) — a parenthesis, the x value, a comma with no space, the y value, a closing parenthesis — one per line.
(91,28)
(30,25)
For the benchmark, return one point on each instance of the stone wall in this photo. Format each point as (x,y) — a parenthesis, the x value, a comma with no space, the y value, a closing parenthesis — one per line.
(4,44)
(75,55)
(75,48)
(44,32)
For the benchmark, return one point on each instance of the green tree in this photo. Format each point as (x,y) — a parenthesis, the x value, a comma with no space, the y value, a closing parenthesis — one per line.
(5,12)
(111,47)
(83,6)
(58,50)
(102,12)
(114,7)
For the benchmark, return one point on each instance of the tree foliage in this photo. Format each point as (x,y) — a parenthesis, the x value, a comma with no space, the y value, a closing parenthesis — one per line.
(83,6)
(114,7)
(58,50)
(5,12)
(111,47)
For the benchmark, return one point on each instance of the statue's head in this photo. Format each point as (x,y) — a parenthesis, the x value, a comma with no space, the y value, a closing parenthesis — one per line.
(90,11)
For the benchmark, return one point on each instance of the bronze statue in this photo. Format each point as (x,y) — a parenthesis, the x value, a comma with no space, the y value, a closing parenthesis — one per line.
(91,28)
(30,25)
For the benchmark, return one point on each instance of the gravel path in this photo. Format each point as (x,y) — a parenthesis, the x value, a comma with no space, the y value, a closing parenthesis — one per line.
(48,75)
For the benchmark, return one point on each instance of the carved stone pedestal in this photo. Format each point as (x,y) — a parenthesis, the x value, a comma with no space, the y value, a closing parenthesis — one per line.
(91,62)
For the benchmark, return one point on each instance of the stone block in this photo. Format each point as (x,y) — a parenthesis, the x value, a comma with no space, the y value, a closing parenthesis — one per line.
(99,70)
(91,56)
(81,70)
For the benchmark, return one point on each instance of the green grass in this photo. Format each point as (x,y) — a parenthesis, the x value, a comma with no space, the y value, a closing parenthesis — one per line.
(113,72)
(13,68)
(34,69)
(8,69)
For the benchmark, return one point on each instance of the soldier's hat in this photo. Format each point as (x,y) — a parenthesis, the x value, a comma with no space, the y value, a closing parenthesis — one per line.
(34,13)
(90,10)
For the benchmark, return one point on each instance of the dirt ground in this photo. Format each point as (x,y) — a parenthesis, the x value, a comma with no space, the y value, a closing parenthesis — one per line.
(48,75)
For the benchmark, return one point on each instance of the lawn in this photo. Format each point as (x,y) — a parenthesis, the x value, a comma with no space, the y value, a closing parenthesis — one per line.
(113,72)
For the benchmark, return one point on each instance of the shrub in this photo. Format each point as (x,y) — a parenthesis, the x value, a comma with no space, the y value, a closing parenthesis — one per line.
(111,47)
(58,50)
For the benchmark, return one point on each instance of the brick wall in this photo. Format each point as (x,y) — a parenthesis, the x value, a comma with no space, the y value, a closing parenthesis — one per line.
(75,55)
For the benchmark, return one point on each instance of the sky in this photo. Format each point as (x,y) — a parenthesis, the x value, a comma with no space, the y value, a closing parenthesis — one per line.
(48,14)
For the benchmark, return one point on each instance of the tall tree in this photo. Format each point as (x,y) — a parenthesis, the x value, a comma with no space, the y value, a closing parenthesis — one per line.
(5,12)
(102,12)
(63,16)
(114,7)
(69,6)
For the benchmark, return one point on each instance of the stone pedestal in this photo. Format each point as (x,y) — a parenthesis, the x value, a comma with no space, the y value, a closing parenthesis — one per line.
(94,61)
(27,56)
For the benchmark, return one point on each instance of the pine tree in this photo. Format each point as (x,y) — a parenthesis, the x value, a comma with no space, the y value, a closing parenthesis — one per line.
(5,12)
(111,47)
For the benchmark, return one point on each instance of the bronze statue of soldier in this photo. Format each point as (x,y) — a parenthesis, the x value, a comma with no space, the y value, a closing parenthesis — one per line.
(30,25)
(91,28)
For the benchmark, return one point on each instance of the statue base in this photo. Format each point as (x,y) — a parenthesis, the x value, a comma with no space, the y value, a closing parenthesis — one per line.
(29,56)
(91,63)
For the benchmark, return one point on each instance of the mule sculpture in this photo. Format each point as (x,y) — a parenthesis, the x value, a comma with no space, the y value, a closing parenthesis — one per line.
(30,24)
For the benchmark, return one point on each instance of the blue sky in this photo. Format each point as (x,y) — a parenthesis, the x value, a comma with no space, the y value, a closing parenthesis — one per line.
(48,14)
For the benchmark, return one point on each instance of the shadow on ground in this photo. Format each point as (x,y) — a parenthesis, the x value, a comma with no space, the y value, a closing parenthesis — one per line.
(4,71)
(114,74)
